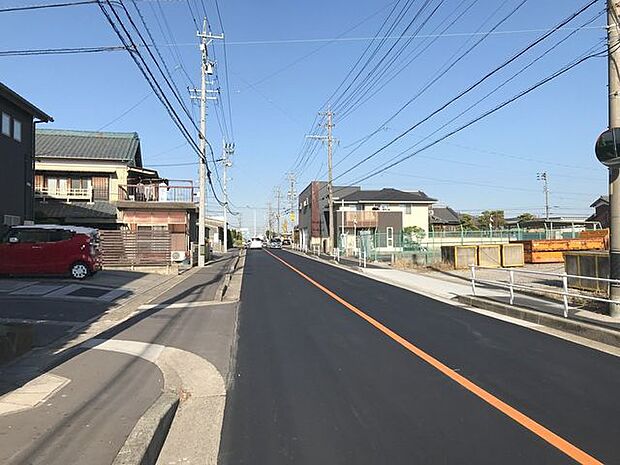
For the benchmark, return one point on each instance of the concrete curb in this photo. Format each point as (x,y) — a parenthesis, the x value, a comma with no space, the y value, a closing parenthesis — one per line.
(578,328)
(146,440)
(220,293)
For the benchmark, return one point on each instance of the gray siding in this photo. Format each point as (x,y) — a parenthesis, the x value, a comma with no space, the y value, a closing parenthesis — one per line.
(16,176)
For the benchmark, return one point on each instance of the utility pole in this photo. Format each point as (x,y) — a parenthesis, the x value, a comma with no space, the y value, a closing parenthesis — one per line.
(269,224)
(278,195)
(228,149)
(613,40)
(330,190)
(543,177)
(292,202)
(206,68)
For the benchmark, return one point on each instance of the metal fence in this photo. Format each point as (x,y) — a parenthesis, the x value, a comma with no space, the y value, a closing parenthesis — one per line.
(135,248)
(562,288)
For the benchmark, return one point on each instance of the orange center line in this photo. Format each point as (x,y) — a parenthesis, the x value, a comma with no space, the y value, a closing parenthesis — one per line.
(549,436)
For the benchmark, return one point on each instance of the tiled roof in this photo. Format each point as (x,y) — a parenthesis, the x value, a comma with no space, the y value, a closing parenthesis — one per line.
(444,215)
(52,210)
(388,195)
(116,146)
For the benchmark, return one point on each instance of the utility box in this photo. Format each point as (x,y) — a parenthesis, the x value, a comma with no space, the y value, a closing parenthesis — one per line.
(587,263)
(512,255)
(459,256)
(489,255)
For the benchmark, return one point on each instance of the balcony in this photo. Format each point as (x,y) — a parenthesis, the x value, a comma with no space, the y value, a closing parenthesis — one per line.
(359,219)
(66,193)
(174,191)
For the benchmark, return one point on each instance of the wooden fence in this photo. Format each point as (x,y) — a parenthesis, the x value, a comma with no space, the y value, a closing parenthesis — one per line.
(135,248)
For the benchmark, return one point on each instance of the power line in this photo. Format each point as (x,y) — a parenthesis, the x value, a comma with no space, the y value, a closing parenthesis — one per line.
(135,105)
(46,6)
(60,51)
(521,94)
(475,84)
(129,44)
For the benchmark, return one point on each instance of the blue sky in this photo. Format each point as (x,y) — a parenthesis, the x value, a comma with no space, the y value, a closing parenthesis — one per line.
(281,72)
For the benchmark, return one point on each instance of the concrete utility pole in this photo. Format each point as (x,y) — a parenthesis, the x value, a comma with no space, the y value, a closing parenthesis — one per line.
(292,198)
(543,177)
(206,68)
(330,190)
(278,196)
(613,42)
(228,149)
(269,224)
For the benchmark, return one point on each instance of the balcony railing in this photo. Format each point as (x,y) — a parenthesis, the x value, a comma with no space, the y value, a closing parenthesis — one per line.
(156,192)
(64,193)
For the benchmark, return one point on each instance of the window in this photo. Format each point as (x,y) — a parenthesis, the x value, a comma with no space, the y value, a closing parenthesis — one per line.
(407,209)
(17,130)
(31,235)
(57,235)
(6,124)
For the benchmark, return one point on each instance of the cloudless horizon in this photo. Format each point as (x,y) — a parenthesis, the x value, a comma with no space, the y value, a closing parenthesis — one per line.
(285,60)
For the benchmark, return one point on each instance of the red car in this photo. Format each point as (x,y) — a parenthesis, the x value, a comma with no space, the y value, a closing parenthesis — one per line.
(50,249)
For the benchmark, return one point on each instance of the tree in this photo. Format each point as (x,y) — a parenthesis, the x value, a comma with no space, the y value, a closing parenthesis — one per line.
(526,217)
(491,218)
(468,222)
(415,233)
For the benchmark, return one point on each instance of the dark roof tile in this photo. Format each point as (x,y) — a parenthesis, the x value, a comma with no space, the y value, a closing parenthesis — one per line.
(117,146)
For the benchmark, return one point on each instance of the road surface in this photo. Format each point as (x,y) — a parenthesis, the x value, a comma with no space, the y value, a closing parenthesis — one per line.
(335,368)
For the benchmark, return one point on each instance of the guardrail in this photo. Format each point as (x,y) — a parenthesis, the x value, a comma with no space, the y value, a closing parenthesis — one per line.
(563,278)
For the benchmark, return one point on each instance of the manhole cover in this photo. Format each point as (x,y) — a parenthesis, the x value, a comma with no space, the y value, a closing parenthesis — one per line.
(89,292)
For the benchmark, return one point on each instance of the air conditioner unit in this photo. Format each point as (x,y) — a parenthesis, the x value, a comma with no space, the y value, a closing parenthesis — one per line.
(177,256)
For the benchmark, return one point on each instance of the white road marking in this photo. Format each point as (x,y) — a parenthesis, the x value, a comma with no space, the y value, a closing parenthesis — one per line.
(32,393)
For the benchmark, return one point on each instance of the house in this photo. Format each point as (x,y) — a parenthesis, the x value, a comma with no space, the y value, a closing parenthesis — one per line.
(18,118)
(443,218)
(601,211)
(384,213)
(313,214)
(97,179)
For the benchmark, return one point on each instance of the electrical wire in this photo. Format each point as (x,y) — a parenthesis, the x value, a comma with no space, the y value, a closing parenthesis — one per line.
(60,51)
(475,84)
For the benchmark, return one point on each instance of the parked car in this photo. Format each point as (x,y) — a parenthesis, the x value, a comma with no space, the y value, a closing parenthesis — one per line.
(50,250)
(256,243)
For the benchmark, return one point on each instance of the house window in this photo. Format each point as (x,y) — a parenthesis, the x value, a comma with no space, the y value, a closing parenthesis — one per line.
(6,124)
(407,209)
(17,130)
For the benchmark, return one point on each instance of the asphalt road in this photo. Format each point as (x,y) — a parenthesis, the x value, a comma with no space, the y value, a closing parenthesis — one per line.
(317,382)
(88,420)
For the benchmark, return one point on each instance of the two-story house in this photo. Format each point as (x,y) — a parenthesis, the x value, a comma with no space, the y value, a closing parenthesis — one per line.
(384,214)
(97,179)
(18,118)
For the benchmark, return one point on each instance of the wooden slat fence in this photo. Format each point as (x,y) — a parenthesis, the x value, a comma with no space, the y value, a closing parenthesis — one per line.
(134,248)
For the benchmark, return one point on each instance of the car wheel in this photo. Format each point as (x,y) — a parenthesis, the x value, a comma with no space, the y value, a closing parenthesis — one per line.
(79,270)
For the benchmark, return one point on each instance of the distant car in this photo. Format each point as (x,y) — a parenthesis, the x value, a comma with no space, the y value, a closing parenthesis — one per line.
(286,242)
(256,243)
(50,250)
(275,244)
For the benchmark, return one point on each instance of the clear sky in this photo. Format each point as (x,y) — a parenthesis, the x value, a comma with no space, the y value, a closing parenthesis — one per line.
(281,72)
